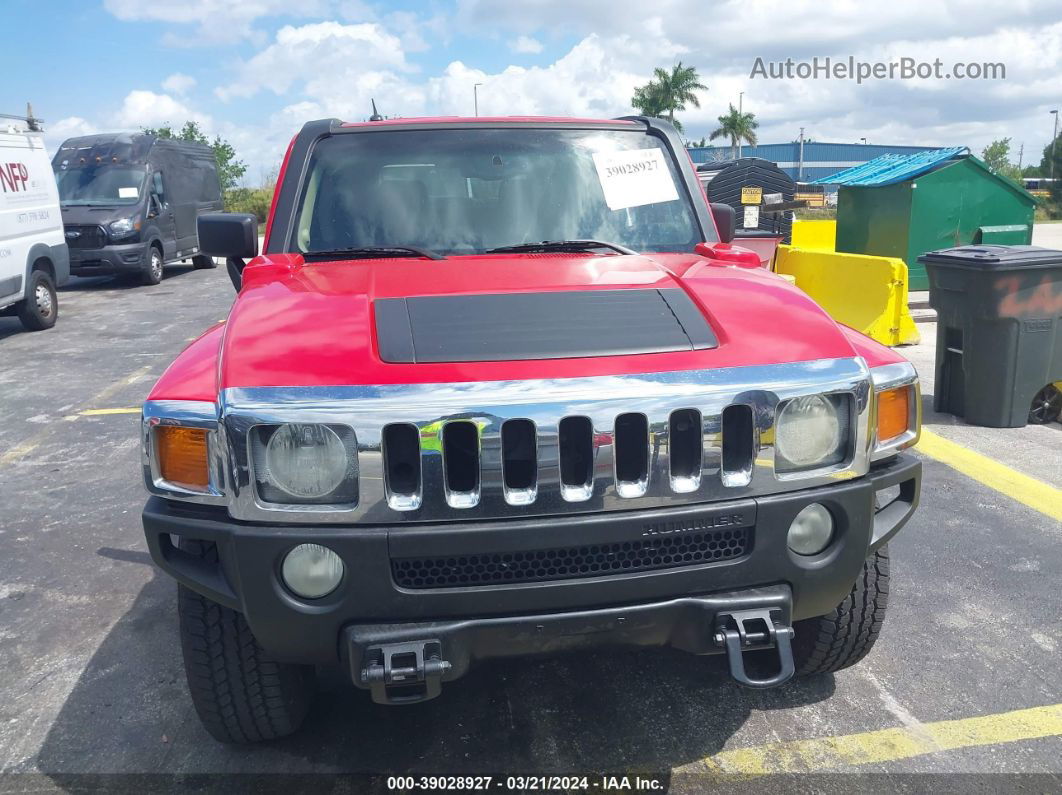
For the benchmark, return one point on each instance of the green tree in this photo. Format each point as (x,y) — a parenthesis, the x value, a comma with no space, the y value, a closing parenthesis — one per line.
(230,169)
(997,157)
(737,127)
(1046,171)
(668,93)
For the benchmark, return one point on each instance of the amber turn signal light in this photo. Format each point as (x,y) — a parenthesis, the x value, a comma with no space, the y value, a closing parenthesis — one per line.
(183,456)
(894,412)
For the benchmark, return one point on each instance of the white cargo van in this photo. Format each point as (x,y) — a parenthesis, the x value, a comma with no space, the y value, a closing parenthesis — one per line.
(34,258)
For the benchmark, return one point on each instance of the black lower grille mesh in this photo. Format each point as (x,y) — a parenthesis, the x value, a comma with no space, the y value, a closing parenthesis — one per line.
(593,560)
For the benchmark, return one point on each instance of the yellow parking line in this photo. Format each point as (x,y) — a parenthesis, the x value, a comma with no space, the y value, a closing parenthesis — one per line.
(889,745)
(100,412)
(31,444)
(17,452)
(1036,494)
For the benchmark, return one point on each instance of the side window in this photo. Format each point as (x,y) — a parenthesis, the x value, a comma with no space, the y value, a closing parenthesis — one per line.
(156,186)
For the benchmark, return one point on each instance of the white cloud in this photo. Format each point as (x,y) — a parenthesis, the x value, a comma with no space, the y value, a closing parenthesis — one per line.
(335,67)
(216,21)
(179,83)
(142,108)
(525,44)
(70,127)
(326,58)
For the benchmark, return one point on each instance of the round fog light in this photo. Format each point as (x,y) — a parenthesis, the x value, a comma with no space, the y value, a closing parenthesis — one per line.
(811,530)
(312,571)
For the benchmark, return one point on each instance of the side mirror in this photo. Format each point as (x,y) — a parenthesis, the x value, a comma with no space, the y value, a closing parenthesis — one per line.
(228,235)
(154,205)
(725,221)
(233,236)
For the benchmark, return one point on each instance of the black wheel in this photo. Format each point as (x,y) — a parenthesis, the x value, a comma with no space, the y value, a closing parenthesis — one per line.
(202,261)
(846,634)
(152,270)
(241,695)
(40,308)
(1046,406)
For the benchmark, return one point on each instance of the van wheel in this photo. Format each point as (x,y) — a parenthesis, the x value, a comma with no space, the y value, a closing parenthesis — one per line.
(846,634)
(202,262)
(152,271)
(240,695)
(40,308)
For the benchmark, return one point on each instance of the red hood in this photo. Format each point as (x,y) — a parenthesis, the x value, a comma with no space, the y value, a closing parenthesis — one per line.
(298,324)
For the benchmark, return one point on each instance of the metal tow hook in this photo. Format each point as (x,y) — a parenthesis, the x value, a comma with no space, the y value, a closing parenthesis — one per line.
(733,635)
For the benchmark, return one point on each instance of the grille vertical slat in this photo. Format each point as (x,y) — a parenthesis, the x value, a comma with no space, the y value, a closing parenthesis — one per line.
(402,470)
(519,461)
(685,450)
(739,445)
(576,444)
(461,463)
(631,445)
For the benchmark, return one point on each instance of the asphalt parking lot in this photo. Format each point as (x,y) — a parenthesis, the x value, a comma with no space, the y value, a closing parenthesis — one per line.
(965,680)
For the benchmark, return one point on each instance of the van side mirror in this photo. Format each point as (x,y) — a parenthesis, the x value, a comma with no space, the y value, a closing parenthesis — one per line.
(725,221)
(233,236)
(154,205)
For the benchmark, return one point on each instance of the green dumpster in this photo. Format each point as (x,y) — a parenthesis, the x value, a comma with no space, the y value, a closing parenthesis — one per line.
(906,205)
(999,330)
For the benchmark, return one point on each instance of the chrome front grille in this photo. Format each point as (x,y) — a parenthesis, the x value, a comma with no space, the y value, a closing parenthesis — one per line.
(466,451)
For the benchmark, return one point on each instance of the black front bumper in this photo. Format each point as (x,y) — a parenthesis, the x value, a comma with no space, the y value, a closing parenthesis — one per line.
(108,261)
(674,604)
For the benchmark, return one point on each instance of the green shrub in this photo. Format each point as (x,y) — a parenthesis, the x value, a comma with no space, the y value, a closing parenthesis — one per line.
(249,200)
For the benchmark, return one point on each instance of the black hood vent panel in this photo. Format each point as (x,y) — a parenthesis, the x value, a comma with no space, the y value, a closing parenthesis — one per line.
(549,325)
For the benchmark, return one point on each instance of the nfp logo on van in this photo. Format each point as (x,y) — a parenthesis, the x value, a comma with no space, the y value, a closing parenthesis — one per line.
(14,177)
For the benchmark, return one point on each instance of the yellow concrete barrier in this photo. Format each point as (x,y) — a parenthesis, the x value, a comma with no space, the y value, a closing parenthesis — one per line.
(865,292)
(815,234)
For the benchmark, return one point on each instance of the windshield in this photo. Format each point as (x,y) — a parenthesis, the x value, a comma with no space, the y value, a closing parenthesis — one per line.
(468,191)
(109,185)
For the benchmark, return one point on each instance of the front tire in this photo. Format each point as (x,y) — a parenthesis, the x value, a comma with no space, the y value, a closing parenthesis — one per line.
(241,695)
(203,262)
(40,308)
(152,270)
(846,634)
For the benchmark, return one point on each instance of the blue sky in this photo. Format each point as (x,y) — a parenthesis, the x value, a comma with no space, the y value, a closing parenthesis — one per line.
(253,71)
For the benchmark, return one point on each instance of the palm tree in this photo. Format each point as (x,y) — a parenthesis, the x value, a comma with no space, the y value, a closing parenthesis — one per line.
(737,127)
(669,92)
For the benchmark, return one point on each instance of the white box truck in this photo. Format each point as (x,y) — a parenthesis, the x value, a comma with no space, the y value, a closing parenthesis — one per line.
(34,258)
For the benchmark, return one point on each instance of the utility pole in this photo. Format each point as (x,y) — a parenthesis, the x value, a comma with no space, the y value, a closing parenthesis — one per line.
(800,162)
(475,95)
(1054,135)
(741,102)
(1021,154)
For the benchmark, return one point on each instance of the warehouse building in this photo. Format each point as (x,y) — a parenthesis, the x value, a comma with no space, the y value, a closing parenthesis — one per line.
(819,159)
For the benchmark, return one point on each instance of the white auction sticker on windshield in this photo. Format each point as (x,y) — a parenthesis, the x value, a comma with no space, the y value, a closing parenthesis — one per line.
(634,177)
(128,193)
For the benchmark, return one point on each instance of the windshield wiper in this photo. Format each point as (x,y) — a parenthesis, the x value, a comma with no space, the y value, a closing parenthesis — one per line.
(371,252)
(562,245)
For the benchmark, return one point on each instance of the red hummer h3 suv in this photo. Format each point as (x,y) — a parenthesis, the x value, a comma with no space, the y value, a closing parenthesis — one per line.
(500,387)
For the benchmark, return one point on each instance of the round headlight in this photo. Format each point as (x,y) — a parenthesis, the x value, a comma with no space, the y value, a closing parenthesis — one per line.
(808,430)
(811,530)
(306,461)
(312,571)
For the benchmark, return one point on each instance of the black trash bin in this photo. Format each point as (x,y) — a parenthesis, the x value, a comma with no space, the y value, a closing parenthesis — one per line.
(999,329)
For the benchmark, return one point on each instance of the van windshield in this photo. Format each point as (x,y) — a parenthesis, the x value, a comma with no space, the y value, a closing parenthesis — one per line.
(468,191)
(99,185)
